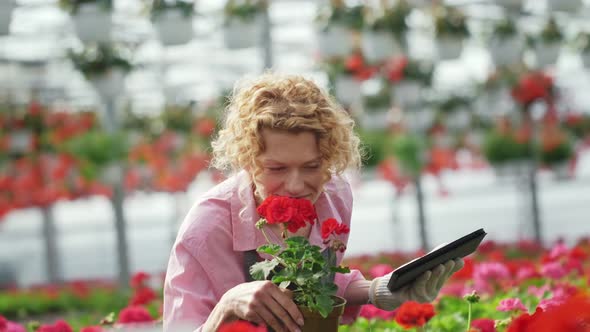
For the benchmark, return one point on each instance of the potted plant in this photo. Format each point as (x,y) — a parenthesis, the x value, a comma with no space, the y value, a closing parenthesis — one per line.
(92,19)
(6,9)
(300,266)
(346,76)
(506,45)
(450,29)
(410,152)
(547,44)
(104,66)
(173,21)
(408,78)
(384,33)
(242,25)
(335,24)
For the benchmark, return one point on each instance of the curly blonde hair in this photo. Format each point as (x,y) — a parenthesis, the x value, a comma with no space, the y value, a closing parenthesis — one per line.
(284,102)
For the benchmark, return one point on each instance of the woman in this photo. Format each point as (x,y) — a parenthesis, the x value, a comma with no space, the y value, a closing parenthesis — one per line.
(282,136)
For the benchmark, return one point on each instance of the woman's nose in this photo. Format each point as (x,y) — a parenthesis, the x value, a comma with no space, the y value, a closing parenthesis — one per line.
(294,184)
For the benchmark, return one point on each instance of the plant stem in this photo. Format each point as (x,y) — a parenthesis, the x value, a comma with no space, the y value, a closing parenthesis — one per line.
(468,316)
(265,236)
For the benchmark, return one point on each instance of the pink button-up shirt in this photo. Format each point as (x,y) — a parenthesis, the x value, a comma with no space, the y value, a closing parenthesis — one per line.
(207,258)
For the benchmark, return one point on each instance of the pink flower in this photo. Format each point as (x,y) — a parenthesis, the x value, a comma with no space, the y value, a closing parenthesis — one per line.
(539,292)
(526,273)
(486,274)
(369,311)
(559,250)
(484,325)
(139,279)
(14,327)
(513,304)
(92,329)
(456,289)
(553,270)
(380,270)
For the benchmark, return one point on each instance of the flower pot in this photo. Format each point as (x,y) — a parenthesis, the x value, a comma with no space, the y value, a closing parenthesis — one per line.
(111,174)
(6,9)
(506,51)
(375,119)
(585,56)
(93,23)
(379,45)
(418,121)
(110,84)
(314,322)
(563,5)
(512,169)
(449,48)
(561,171)
(174,28)
(21,141)
(511,5)
(546,54)
(347,90)
(406,93)
(335,41)
(238,34)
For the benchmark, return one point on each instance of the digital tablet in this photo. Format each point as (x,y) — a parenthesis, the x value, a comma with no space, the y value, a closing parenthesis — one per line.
(459,248)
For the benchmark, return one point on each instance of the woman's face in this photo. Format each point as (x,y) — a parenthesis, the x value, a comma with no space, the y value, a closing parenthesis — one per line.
(291,165)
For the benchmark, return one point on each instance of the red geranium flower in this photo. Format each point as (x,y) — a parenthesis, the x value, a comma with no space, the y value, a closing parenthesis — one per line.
(92,329)
(139,279)
(331,226)
(483,325)
(292,212)
(413,314)
(241,326)
(3,323)
(142,296)
(134,314)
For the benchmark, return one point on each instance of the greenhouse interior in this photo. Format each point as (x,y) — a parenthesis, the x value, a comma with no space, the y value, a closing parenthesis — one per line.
(471,114)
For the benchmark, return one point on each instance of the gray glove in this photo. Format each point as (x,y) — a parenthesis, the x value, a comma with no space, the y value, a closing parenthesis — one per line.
(424,289)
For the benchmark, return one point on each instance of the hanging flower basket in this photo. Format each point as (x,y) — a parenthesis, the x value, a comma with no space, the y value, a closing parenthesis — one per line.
(506,51)
(406,93)
(347,90)
(243,23)
(174,27)
(450,30)
(239,34)
(378,45)
(546,54)
(109,84)
(93,23)
(449,48)
(335,41)
(6,9)
(571,6)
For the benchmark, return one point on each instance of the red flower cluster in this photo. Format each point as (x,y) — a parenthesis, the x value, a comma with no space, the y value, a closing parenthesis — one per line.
(142,293)
(134,314)
(355,65)
(532,86)
(413,314)
(395,68)
(572,316)
(332,227)
(241,326)
(59,326)
(293,212)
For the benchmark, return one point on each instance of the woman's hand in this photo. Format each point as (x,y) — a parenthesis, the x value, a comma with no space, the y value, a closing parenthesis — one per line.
(424,289)
(265,303)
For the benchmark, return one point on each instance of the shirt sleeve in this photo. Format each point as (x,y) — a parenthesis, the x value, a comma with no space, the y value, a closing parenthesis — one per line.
(351,312)
(201,268)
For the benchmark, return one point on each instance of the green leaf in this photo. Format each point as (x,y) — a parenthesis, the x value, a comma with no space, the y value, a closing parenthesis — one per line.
(284,284)
(261,270)
(271,249)
(324,305)
(340,269)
